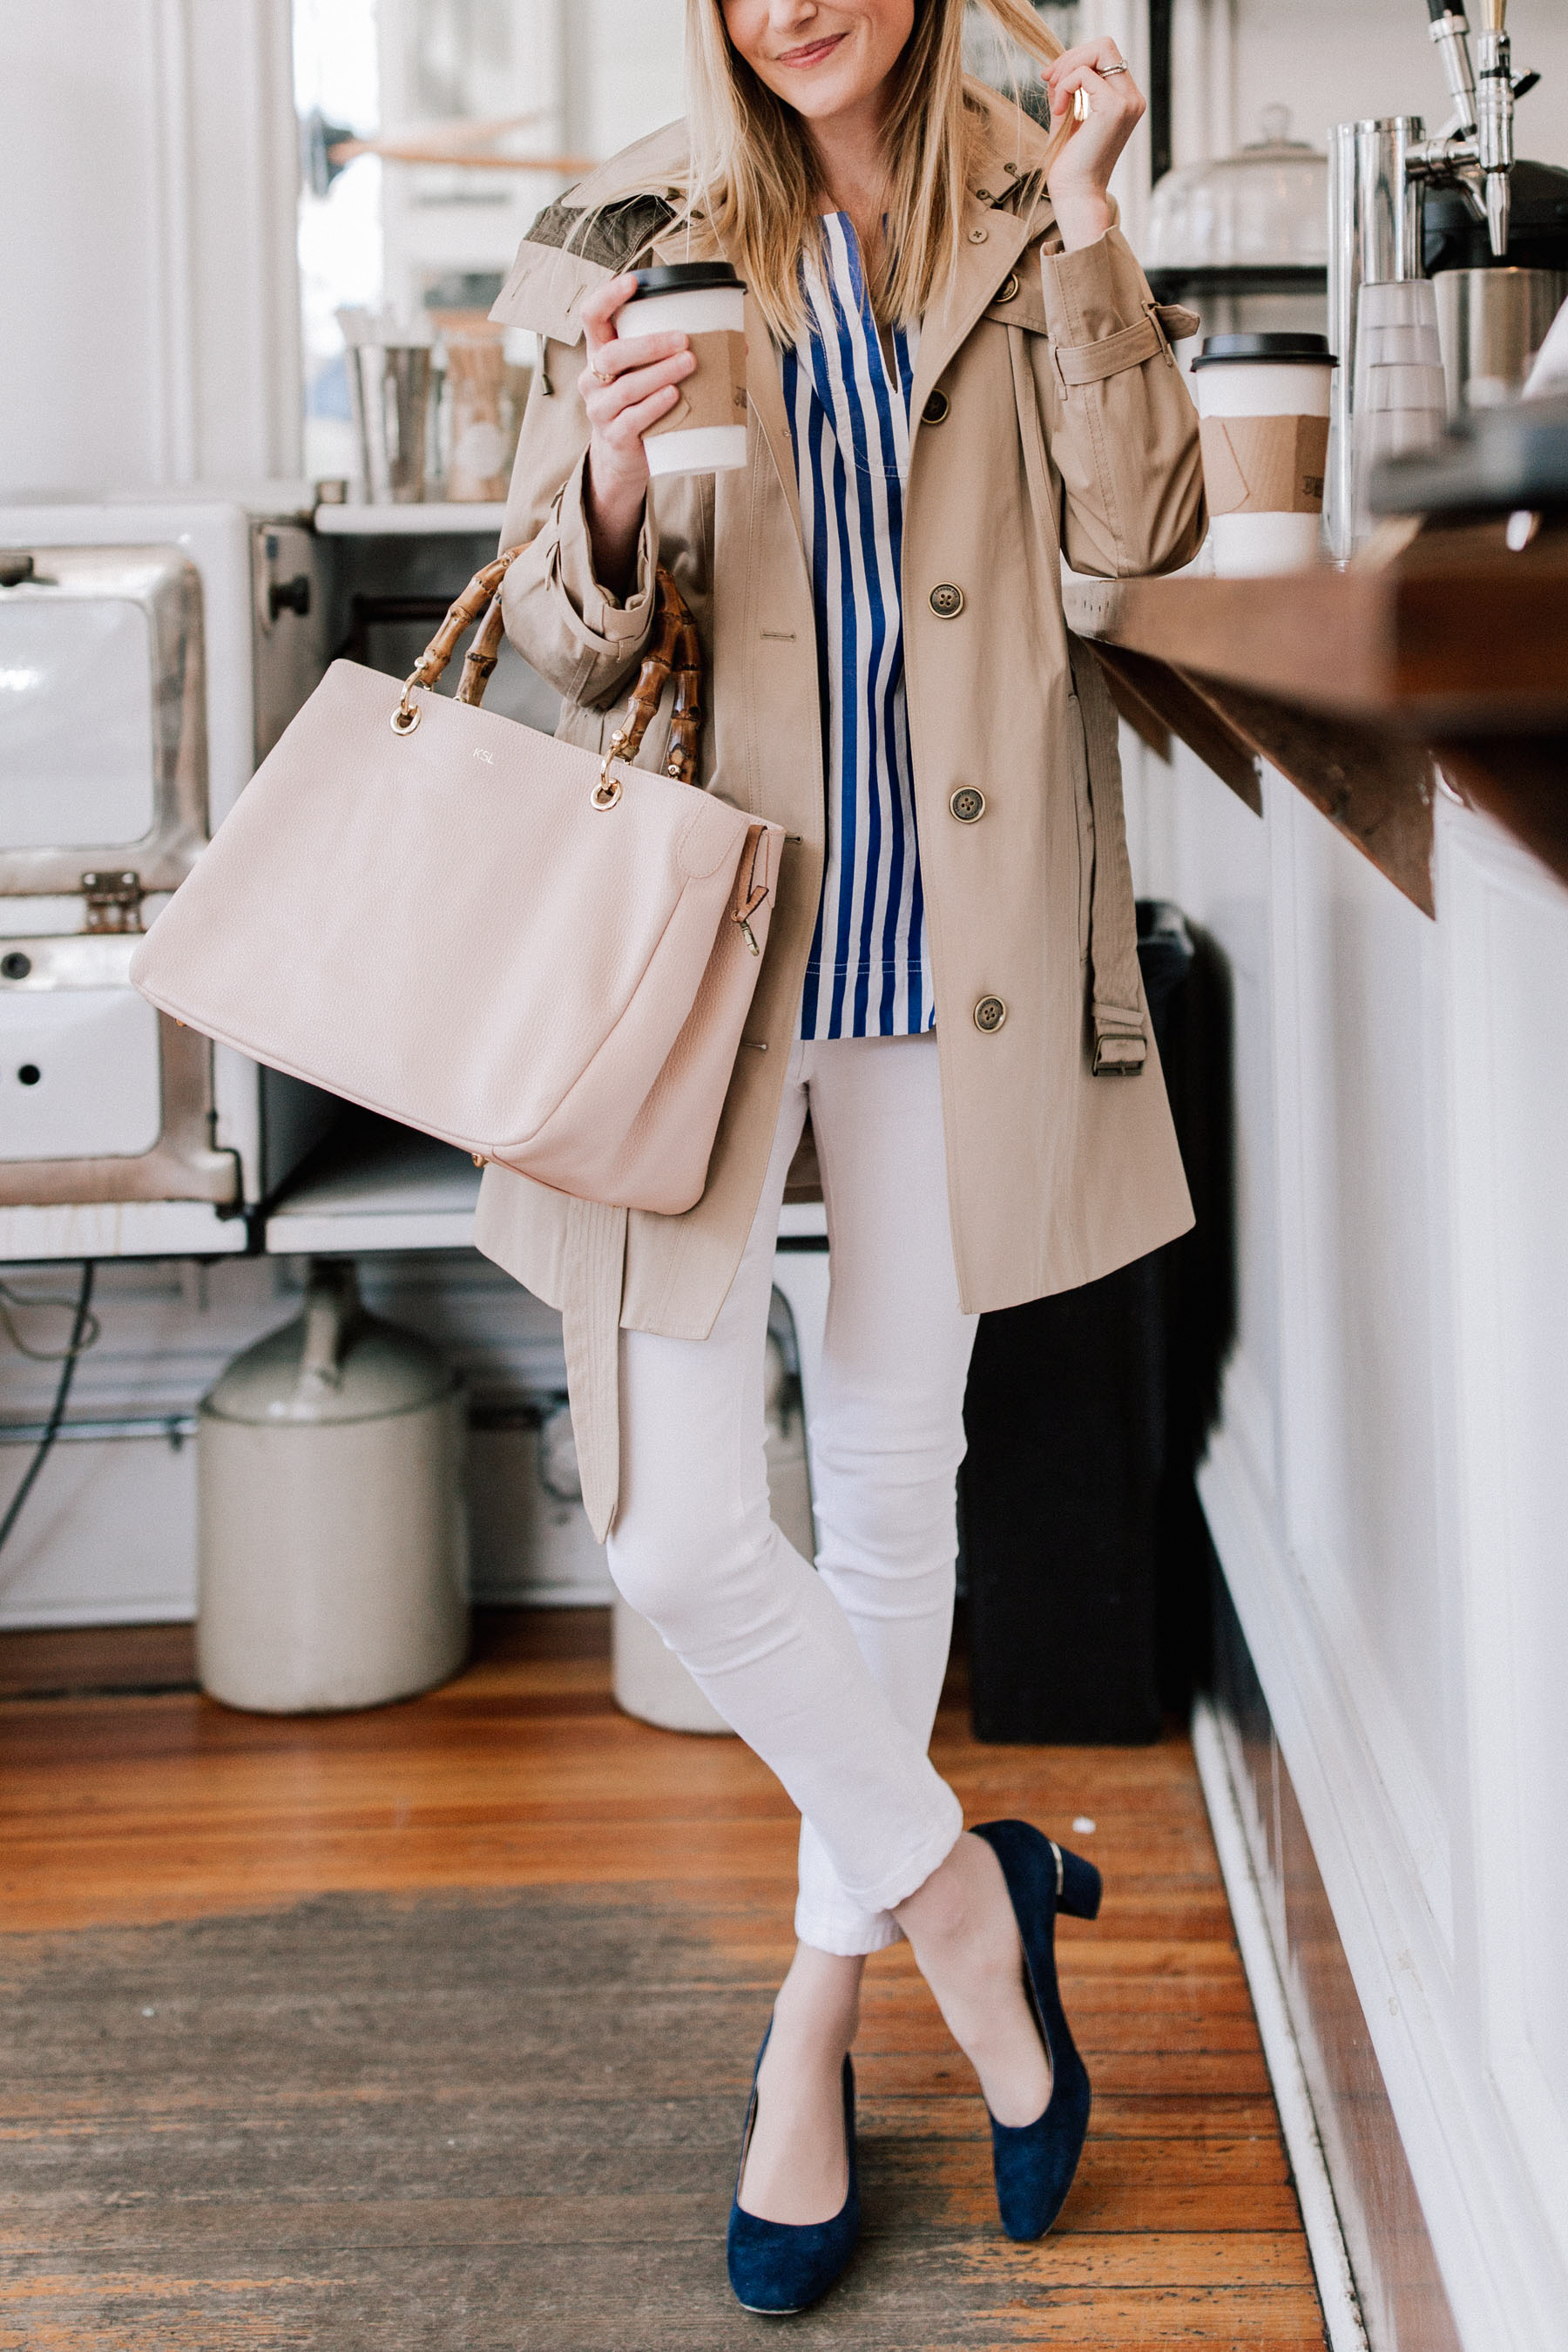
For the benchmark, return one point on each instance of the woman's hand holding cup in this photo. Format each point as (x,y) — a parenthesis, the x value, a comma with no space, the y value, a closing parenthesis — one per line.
(628,384)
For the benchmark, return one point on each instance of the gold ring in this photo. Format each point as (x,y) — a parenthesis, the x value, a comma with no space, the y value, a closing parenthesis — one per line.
(600,377)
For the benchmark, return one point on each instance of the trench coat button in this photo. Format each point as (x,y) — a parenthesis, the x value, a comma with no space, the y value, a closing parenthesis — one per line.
(967,804)
(946,601)
(1008,290)
(935,410)
(978,235)
(989,1015)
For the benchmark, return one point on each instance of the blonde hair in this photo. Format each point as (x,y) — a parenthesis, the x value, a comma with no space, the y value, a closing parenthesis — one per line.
(753,173)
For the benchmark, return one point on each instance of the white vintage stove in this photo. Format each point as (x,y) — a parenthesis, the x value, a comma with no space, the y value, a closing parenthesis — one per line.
(150,654)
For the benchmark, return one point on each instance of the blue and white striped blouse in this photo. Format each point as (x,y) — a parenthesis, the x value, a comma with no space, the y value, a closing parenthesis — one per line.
(869,974)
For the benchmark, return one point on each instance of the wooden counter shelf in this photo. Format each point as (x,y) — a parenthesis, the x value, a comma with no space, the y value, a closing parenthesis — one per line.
(1368,688)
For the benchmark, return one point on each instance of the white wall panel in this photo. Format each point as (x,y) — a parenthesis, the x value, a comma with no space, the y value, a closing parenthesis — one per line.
(1332,60)
(623,67)
(148,168)
(1506,936)
(1356,1021)
(1402,1130)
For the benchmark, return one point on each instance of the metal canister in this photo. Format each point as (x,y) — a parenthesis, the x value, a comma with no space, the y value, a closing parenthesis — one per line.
(389,395)
(1492,323)
(331,1546)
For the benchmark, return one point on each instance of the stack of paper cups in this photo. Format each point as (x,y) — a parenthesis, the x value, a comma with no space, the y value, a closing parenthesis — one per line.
(1401,395)
(705,432)
(1263,406)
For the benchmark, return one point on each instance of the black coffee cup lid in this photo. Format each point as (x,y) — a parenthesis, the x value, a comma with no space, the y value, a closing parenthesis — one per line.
(687,278)
(1265,351)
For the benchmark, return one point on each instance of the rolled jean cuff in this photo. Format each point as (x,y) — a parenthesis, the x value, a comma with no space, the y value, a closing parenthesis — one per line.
(929,1856)
(849,1935)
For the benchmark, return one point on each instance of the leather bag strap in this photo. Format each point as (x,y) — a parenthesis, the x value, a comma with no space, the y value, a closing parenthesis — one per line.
(674,650)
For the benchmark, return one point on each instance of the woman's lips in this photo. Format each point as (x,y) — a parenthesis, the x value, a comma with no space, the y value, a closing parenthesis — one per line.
(812,54)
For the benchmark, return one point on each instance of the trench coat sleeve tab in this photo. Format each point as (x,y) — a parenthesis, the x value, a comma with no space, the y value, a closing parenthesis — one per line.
(1119,1046)
(595,1258)
(1129,347)
(1177,321)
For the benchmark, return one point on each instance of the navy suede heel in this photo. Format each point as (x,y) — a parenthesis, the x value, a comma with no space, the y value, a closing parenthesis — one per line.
(779,2267)
(1035,2163)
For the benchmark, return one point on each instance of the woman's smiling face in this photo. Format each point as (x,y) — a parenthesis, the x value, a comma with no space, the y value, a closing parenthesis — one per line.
(821,59)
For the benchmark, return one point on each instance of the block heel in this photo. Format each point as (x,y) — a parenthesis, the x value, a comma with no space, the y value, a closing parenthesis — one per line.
(1081,1885)
(779,2268)
(1035,2163)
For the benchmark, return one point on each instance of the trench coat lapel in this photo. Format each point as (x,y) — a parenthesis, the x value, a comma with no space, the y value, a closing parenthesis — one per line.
(982,267)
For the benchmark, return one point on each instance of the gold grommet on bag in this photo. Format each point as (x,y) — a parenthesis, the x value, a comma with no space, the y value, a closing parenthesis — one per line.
(607,791)
(989,1015)
(406,718)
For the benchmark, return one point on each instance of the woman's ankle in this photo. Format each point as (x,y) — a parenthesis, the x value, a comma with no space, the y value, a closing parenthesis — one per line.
(964,1898)
(961,1929)
(819,2003)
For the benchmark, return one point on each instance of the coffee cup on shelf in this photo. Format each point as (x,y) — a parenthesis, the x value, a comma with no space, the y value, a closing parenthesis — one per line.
(1263,411)
(705,432)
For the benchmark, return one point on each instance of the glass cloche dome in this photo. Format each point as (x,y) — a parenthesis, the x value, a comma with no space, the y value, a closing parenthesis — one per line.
(1265,208)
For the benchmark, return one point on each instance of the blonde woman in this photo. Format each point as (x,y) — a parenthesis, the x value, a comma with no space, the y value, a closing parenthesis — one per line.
(956,377)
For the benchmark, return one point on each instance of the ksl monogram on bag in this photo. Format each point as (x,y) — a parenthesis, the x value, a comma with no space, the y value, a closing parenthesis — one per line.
(540,954)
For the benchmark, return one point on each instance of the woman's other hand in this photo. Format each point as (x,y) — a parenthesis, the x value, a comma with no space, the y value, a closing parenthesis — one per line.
(1078,180)
(628,384)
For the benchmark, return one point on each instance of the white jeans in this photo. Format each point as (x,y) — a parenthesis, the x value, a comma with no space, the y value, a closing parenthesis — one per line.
(833,1677)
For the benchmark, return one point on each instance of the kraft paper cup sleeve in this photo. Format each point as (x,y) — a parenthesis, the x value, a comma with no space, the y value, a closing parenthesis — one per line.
(1263,465)
(715,394)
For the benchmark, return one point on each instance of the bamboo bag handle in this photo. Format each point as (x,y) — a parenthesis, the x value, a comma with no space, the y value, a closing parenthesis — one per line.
(676,649)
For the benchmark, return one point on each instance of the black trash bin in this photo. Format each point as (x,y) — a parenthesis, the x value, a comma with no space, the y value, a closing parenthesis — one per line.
(1073,1494)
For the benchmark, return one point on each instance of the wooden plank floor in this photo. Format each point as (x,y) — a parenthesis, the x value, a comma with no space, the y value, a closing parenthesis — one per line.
(431,2027)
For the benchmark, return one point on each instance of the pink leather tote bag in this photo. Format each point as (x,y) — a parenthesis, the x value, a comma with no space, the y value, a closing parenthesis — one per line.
(543,955)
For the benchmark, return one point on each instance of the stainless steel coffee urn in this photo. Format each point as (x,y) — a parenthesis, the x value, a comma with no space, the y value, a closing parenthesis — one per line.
(331,1543)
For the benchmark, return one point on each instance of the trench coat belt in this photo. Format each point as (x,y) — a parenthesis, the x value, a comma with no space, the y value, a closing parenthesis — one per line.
(1116,1010)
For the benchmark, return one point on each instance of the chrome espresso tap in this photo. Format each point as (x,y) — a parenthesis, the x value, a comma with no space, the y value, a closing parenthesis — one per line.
(1474,151)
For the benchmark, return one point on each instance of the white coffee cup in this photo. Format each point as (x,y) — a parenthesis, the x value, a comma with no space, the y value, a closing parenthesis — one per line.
(1263,402)
(705,432)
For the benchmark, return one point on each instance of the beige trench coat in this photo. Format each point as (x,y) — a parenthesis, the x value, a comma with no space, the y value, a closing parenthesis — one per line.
(1051,421)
